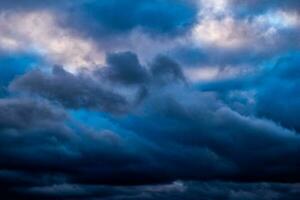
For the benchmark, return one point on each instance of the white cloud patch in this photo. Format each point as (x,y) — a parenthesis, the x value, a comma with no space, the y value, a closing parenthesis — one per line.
(280,19)
(219,27)
(214,7)
(213,73)
(226,33)
(37,32)
(202,74)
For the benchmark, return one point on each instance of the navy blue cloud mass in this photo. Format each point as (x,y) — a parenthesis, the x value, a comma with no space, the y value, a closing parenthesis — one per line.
(149,99)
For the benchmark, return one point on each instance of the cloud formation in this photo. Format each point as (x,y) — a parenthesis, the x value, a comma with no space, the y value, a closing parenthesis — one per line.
(140,99)
(110,17)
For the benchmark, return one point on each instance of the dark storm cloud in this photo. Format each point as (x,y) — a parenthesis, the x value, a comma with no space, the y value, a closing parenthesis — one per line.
(198,120)
(175,133)
(177,117)
(39,139)
(39,149)
(164,70)
(21,113)
(124,67)
(74,91)
(95,90)
(169,139)
(51,152)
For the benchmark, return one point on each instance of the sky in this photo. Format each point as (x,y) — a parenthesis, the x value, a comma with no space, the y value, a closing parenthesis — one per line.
(150,99)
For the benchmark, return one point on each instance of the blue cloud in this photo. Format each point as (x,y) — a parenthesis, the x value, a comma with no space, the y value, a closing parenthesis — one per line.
(13,65)
(279,98)
(111,16)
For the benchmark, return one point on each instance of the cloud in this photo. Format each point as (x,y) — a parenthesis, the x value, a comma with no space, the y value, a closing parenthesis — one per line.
(22,113)
(254,7)
(278,98)
(37,32)
(12,65)
(222,38)
(51,144)
(198,120)
(174,115)
(73,91)
(164,69)
(26,5)
(183,106)
(96,89)
(212,190)
(125,68)
(112,17)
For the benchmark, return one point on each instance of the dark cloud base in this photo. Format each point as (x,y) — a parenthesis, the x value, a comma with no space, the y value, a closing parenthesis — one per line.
(213,190)
(175,132)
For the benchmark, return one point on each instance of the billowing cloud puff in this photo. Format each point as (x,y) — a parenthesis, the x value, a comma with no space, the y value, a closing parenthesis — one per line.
(23,113)
(172,121)
(95,90)
(73,91)
(125,68)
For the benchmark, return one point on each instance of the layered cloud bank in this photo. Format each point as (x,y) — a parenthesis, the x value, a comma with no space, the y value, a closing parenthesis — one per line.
(150,99)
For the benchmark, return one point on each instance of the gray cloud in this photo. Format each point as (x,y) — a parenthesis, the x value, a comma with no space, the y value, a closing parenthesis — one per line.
(125,68)
(166,70)
(96,90)
(73,91)
(23,113)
